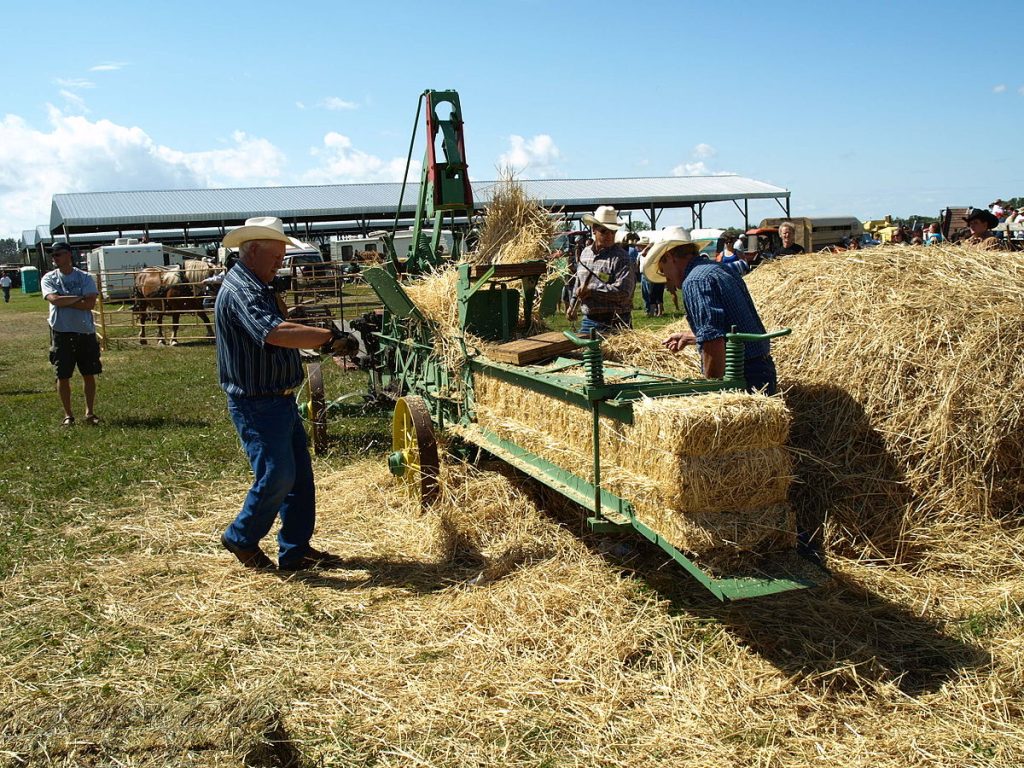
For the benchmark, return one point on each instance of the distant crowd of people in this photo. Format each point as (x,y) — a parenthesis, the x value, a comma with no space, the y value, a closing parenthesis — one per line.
(997,228)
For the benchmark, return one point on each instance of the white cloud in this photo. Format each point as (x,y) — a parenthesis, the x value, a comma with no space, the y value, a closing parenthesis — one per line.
(76,154)
(249,162)
(300,105)
(698,169)
(691,169)
(998,88)
(74,82)
(75,102)
(1021,90)
(342,163)
(537,155)
(109,66)
(704,151)
(335,104)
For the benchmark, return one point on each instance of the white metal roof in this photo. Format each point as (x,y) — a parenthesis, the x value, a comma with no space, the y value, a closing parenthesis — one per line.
(96,211)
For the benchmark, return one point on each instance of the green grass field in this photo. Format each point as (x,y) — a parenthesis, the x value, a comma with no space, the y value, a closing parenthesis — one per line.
(164,421)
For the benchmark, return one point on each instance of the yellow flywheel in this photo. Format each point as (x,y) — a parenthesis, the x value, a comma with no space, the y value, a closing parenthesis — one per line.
(414,458)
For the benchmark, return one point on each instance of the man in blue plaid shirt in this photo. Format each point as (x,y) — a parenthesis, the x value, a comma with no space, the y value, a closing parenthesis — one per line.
(716,300)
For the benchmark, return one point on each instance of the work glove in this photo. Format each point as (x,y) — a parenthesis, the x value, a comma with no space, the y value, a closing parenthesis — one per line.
(341,344)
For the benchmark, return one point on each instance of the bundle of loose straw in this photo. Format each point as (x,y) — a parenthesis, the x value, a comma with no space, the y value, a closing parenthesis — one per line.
(516,227)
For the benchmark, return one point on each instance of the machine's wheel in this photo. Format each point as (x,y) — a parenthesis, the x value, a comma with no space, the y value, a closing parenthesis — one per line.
(415,448)
(317,407)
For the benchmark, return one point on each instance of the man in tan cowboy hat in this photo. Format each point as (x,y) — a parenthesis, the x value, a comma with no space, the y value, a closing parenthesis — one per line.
(716,301)
(604,280)
(259,368)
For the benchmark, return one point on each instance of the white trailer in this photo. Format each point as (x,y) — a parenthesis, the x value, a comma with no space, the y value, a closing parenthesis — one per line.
(117,264)
(346,248)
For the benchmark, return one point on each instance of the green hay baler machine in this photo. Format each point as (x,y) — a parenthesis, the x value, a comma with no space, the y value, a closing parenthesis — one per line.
(432,394)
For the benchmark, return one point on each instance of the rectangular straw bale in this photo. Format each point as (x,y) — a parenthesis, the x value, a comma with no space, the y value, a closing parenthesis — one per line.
(710,472)
(711,423)
(715,483)
(694,425)
(715,537)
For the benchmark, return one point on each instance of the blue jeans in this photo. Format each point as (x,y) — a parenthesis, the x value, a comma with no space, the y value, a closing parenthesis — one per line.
(760,375)
(275,442)
(589,327)
(652,293)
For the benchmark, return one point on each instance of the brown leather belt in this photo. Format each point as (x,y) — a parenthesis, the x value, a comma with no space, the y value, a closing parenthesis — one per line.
(279,393)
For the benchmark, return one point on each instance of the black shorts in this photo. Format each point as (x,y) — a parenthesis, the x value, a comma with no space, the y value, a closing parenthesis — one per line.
(70,349)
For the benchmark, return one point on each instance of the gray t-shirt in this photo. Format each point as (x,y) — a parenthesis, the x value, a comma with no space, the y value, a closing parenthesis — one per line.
(77,283)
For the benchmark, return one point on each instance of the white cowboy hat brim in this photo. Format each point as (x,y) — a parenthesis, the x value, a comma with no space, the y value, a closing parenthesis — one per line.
(236,237)
(590,219)
(650,264)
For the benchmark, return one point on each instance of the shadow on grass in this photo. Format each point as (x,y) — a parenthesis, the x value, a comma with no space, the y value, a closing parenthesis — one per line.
(156,422)
(836,637)
(415,575)
(40,391)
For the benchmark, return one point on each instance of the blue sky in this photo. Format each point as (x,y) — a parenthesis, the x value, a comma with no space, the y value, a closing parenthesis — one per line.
(861,108)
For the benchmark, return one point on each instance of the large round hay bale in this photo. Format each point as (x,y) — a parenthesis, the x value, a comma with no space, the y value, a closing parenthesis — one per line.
(905,378)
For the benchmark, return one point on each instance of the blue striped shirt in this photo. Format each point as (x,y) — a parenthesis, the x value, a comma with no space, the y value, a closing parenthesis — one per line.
(717,299)
(246,313)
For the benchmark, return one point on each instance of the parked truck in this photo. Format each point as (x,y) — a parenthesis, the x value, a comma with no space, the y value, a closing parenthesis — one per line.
(812,233)
(349,248)
(115,265)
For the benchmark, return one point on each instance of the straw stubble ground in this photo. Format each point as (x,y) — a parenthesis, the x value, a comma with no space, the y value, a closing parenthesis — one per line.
(483,633)
(488,631)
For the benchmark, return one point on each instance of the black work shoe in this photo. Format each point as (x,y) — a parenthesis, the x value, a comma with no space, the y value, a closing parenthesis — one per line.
(314,559)
(250,558)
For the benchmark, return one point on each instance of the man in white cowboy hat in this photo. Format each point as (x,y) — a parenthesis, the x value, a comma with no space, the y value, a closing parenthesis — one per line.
(259,369)
(604,281)
(716,301)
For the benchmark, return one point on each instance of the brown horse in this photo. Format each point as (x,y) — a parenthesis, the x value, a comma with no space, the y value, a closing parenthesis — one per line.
(171,291)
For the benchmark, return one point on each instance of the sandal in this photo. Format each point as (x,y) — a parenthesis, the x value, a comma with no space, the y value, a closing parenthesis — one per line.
(92,419)
(69,421)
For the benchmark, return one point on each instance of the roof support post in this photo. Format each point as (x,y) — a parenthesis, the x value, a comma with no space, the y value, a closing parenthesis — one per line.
(746,214)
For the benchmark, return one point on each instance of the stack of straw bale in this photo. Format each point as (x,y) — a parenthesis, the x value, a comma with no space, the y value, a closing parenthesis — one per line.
(709,472)
(905,376)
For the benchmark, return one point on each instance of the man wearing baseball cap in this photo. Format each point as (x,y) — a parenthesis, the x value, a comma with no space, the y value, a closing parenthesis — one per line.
(604,281)
(260,370)
(73,343)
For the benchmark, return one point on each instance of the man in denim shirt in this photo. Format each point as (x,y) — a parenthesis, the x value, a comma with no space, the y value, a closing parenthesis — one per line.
(716,300)
(605,280)
(259,368)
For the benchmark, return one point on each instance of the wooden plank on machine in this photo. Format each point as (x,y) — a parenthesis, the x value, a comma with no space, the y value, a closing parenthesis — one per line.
(532,349)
